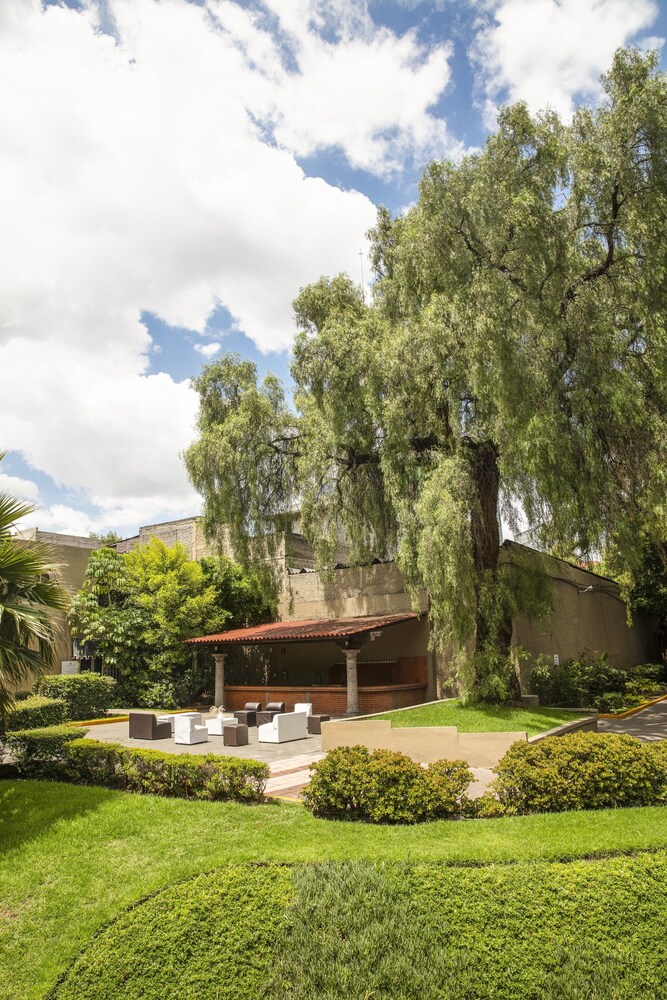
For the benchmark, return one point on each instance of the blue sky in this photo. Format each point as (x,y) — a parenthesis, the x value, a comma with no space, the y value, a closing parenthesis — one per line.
(174,172)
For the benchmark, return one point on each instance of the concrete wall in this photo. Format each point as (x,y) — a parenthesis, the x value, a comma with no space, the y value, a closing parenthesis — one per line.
(588,615)
(360,590)
(424,744)
(70,554)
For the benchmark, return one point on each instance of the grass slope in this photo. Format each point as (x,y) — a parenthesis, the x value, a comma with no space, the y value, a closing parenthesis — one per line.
(357,929)
(482,718)
(71,858)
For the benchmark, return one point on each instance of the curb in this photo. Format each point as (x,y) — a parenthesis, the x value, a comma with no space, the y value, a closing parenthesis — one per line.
(633,711)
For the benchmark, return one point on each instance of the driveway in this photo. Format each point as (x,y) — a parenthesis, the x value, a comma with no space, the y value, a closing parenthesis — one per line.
(649,724)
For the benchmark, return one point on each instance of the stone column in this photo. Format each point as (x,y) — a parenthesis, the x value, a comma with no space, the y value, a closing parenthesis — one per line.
(352,692)
(219,698)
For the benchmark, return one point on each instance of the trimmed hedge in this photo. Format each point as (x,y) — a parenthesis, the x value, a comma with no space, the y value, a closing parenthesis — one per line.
(61,753)
(384,787)
(87,695)
(581,771)
(36,712)
(40,753)
(183,776)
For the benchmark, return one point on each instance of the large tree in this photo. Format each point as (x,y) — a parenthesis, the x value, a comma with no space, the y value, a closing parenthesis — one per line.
(138,608)
(514,356)
(30,597)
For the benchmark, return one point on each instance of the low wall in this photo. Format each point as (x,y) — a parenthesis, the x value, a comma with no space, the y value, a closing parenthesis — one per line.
(424,744)
(327,700)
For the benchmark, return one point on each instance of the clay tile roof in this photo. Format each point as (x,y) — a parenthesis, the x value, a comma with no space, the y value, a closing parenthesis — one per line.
(311,629)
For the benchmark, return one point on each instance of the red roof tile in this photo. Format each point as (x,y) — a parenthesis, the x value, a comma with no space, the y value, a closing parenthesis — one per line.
(303,631)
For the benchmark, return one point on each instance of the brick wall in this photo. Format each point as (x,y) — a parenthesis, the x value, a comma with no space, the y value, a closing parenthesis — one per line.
(328,700)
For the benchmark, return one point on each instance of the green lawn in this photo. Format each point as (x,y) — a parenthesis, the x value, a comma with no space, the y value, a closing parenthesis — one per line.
(359,929)
(482,718)
(71,858)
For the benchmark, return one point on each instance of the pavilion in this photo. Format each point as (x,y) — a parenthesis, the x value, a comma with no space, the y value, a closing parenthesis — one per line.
(297,661)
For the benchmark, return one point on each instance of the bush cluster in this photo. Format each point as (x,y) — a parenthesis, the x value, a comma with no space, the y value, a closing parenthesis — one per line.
(592,682)
(579,771)
(40,753)
(36,712)
(384,787)
(61,753)
(87,695)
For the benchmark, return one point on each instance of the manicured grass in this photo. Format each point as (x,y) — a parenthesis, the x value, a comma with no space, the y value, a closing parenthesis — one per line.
(73,857)
(482,718)
(389,930)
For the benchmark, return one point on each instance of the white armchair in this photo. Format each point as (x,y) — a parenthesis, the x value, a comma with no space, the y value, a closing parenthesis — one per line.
(216,725)
(284,728)
(188,732)
(304,706)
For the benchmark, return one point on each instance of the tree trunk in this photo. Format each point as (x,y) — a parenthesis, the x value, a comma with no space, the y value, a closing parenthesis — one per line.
(485,530)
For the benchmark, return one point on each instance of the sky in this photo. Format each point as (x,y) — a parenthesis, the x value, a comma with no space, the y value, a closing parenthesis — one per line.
(172,172)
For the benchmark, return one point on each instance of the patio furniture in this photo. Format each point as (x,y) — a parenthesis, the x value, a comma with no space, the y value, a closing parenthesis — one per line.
(284,727)
(170,716)
(144,726)
(248,717)
(304,706)
(273,708)
(235,736)
(215,726)
(186,731)
(315,724)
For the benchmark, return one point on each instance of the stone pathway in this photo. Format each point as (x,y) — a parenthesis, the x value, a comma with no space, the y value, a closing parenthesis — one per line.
(648,725)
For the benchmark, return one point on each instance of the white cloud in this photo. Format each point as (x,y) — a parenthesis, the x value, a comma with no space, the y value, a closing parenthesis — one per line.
(24,489)
(208,350)
(548,52)
(154,171)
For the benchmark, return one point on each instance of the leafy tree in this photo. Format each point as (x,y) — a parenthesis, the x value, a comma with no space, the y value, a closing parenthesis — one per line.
(102,613)
(514,356)
(139,607)
(29,595)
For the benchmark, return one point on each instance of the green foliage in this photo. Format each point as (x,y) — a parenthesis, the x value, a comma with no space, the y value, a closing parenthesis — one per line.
(87,695)
(591,681)
(211,936)
(582,931)
(513,355)
(37,712)
(41,752)
(30,593)
(384,787)
(187,776)
(580,771)
(138,608)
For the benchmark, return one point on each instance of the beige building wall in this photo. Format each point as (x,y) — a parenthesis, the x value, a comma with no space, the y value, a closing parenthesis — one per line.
(589,615)
(70,554)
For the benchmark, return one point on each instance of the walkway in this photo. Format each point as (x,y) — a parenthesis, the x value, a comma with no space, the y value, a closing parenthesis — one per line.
(647,725)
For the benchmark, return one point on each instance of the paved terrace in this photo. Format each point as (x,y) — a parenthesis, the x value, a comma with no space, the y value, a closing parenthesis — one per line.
(289,763)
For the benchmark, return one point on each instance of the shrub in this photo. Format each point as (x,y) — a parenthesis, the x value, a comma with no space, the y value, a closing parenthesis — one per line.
(22,695)
(384,787)
(37,712)
(580,771)
(87,695)
(150,771)
(41,753)
(576,683)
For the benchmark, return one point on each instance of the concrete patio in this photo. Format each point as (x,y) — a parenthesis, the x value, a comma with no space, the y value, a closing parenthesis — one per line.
(289,763)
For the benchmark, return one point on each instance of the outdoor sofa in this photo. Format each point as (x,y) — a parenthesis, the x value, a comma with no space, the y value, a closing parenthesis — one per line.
(284,727)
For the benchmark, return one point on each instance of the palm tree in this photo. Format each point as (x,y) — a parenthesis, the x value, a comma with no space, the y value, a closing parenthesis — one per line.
(29,595)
